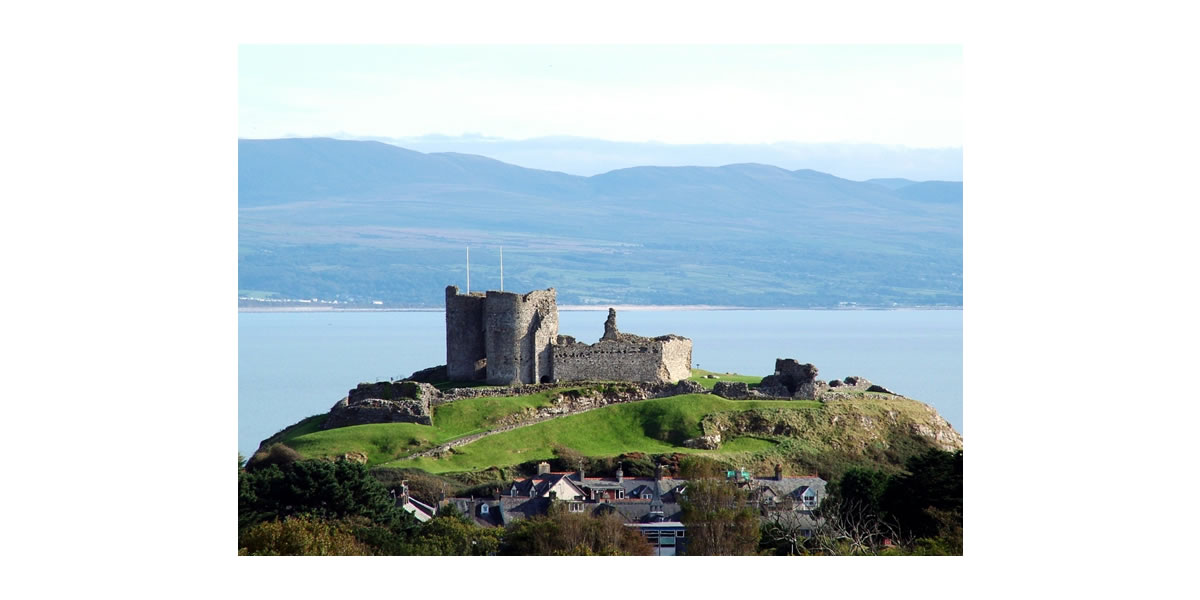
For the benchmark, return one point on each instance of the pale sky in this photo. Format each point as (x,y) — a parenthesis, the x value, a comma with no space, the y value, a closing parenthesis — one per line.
(893,95)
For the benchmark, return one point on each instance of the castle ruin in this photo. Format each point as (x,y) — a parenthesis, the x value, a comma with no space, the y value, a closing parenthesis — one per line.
(507,339)
(502,337)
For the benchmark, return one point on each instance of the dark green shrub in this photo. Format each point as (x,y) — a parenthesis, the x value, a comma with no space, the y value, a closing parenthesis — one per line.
(276,454)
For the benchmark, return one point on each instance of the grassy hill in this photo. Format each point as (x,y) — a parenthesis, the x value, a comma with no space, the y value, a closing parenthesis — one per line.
(709,379)
(874,429)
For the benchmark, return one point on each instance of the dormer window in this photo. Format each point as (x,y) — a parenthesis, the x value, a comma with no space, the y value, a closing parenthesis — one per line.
(810,499)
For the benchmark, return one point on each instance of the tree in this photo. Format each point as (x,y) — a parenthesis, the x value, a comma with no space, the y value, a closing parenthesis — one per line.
(863,486)
(852,527)
(331,490)
(787,532)
(453,535)
(562,533)
(277,454)
(720,519)
(934,481)
(300,536)
(700,467)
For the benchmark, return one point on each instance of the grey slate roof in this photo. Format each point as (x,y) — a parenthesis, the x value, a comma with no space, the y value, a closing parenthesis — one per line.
(540,484)
(792,486)
(632,508)
(638,511)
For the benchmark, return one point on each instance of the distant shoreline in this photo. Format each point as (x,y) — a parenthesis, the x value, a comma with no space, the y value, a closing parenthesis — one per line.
(581,308)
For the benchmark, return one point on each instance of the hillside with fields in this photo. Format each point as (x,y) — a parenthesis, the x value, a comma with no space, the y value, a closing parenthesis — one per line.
(365,222)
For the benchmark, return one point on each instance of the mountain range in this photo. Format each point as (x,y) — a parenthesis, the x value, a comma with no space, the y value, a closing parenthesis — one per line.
(365,222)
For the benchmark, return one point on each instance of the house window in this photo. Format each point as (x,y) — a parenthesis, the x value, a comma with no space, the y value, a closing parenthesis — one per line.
(620,494)
(806,533)
(576,507)
(810,501)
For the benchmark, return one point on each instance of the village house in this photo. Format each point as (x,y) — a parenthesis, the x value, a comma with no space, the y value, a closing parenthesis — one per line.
(650,504)
(421,511)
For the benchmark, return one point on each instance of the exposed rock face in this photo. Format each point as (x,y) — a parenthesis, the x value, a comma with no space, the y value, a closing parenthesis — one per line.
(791,380)
(853,427)
(384,402)
(731,389)
(704,442)
(358,457)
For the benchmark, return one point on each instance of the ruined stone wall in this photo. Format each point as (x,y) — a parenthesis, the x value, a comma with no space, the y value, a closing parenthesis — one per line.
(519,332)
(466,355)
(677,358)
(630,358)
(384,402)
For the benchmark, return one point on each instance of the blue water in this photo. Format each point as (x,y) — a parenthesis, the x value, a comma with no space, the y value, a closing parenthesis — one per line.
(294,365)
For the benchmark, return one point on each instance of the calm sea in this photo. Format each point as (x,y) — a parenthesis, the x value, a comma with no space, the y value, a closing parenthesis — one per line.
(294,365)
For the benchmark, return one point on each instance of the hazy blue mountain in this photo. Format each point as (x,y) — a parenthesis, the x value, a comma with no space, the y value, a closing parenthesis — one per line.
(891,183)
(370,221)
(943,192)
(587,156)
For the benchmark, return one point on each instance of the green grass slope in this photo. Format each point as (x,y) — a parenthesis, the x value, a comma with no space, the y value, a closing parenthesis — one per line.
(869,429)
(652,426)
(383,442)
(698,375)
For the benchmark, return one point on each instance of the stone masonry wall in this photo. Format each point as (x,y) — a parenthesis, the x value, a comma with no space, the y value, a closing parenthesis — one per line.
(623,357)
(384,402)
(519,331)
(466,355)
(512,339)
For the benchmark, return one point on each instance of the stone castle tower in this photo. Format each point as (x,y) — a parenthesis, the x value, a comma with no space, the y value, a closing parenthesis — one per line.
(502,337)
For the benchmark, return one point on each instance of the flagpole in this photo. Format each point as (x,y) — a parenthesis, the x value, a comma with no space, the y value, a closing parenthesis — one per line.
(468,269)
(502,268)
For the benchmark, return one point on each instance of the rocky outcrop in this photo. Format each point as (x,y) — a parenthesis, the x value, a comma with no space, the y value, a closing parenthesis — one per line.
(704,442)
(853,426)
(731,389)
